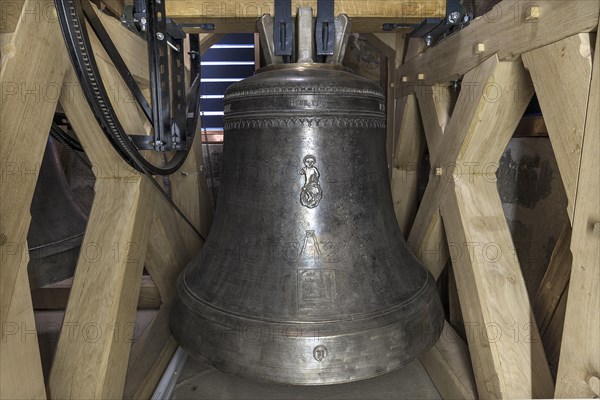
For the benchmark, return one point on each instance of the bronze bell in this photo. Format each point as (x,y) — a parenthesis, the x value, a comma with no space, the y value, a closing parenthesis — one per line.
(305,277)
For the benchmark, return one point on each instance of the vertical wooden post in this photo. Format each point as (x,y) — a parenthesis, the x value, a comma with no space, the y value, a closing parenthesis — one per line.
(579,365)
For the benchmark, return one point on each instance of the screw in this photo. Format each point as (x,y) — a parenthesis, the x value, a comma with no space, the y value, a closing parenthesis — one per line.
(428,40)
(439,171)
(454,17)
(160,36)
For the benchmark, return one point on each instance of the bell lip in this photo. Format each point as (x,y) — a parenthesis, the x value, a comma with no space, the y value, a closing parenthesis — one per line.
(303,66)
(383,355)
(269,380)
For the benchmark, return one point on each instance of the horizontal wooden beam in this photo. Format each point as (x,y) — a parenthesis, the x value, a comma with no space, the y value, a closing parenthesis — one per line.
(505,31)
(531,126)
(56,296)
(241,15)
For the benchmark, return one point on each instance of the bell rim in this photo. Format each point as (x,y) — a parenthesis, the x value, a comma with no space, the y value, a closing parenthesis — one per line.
(385,347)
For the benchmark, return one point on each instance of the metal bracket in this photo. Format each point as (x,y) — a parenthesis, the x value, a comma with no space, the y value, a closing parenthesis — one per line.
(167,78)
(325,28)
(433,30)
(140,15)
(283,28)
(143,142)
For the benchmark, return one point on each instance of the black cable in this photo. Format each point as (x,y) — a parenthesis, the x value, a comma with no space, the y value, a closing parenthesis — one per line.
(72,144)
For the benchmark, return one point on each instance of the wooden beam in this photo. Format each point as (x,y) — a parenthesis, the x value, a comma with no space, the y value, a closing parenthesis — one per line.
(579,366)
(388,66)
(190,193)
(447,362)
(56,295)
(114,6)
(107,279)
(436,104)
(506,350)
(186,185)
(483,111)
(167,252)
(503,31)
(449,367)
(531,126)
(415,46)
(552,337)
(563,70)
(405,167)
(31,78)
(21,375)
(207,40)
(132,48)
(93,348)
(241,16)
(555,282)
(550,302)
(481,125)
(384,42)
(11,12)
(429,241)
(150,355)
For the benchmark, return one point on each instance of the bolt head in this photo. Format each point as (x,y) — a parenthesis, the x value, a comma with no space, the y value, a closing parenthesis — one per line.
(160,35)
(454,17)
(428,40)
